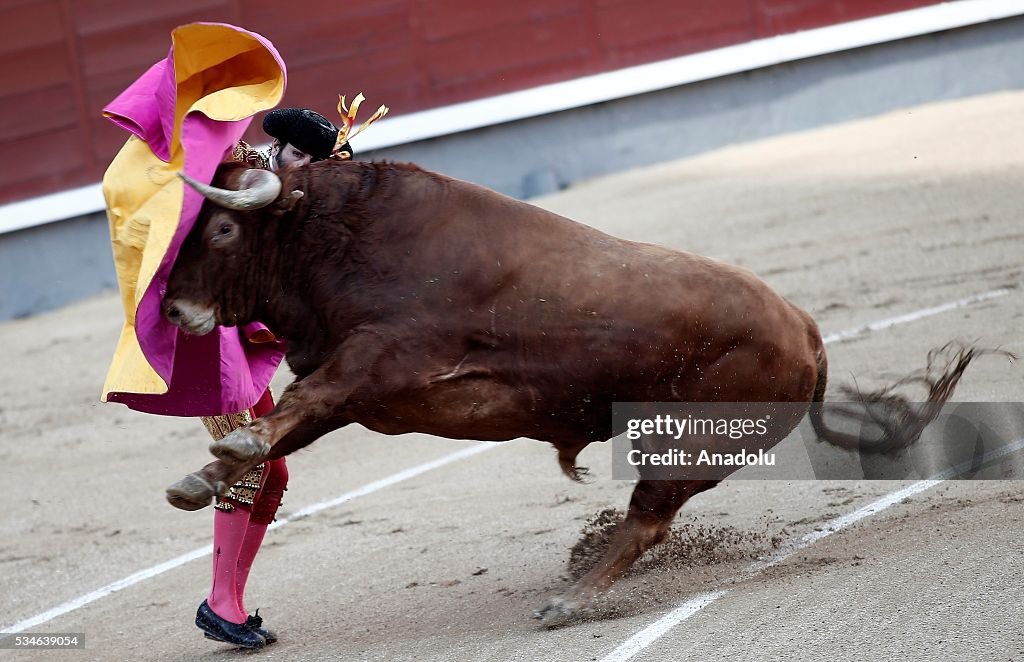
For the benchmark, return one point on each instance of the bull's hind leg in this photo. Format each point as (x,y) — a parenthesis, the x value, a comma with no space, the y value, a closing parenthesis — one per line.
(651,509)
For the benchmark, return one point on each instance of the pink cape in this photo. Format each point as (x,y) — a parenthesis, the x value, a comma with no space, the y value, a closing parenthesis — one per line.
(221,372)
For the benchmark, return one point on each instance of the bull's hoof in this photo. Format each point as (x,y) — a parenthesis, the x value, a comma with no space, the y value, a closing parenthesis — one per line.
(558,611)
(579,474)
(239,447)
(193,492)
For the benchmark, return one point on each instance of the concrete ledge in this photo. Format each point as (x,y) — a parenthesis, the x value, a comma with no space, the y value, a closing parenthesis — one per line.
(538,155)
(48,266)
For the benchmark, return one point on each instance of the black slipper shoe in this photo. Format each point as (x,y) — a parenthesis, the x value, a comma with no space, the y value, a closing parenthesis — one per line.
(215,627)
(255,623)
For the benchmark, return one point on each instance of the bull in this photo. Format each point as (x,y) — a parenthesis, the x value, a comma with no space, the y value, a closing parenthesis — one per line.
(413,302)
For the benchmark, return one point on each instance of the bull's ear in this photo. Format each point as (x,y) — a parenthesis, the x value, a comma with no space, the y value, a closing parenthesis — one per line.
(286,202)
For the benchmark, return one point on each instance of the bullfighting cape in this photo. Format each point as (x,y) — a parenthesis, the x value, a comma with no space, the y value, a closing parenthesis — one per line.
(185,113)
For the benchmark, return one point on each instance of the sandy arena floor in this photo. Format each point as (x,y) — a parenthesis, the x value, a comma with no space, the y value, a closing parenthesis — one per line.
(854,223)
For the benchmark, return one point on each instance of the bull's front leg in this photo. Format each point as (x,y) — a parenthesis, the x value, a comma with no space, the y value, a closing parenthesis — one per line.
(308,409)
(197,490)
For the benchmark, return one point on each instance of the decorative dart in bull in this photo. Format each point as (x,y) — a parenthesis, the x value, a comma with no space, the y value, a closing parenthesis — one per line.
(414,302)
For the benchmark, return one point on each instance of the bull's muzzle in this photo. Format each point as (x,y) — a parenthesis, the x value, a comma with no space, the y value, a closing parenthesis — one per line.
(192,318)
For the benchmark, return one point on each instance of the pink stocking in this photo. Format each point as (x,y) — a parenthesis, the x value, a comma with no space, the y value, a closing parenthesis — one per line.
(228,534)
(265,505)
(250,546)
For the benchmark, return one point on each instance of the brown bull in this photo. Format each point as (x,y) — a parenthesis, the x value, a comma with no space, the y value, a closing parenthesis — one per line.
(412,302)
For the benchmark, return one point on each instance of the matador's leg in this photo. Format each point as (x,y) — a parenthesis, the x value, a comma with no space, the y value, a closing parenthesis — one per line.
(230,523)
(244,513)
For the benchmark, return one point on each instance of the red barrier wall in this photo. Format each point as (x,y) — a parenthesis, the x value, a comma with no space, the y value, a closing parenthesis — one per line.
(64,59)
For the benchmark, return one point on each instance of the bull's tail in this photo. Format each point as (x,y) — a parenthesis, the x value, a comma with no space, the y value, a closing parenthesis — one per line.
(899,420)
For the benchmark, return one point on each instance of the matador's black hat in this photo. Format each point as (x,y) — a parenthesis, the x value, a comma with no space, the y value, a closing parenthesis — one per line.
(305,129)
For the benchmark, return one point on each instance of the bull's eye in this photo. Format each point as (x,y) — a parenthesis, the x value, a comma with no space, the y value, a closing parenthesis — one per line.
(223,234)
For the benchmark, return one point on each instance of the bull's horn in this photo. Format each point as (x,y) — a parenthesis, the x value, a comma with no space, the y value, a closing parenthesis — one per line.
(258,189)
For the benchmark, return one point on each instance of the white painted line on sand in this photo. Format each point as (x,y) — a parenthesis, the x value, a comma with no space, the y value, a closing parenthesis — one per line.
(387,481)
(120,584)
(890,322)
(655,630)
(648,635)
(178,561)
(412,472)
